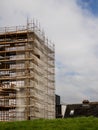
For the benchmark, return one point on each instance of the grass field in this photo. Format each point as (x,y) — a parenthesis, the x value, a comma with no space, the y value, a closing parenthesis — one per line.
(82,123)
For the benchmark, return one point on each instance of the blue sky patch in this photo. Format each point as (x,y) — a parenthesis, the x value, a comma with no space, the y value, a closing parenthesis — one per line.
(71,73)
(91,5)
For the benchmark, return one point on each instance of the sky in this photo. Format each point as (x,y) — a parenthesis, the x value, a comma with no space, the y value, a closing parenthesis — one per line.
(72,25)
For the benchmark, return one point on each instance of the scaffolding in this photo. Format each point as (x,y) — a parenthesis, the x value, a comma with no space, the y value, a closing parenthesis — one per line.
(27,74)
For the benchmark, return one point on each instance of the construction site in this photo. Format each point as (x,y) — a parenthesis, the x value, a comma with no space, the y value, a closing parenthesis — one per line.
(27,74)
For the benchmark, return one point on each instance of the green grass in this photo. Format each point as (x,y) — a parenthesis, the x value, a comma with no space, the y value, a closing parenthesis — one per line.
(82,123)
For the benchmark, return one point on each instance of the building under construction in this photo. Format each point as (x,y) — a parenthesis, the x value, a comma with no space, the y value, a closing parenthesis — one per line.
(27,70)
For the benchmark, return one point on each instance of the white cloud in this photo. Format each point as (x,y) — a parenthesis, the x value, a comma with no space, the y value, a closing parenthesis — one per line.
(75,36)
